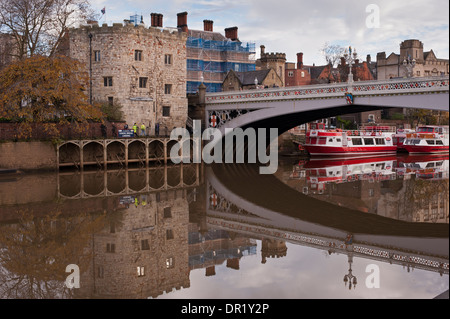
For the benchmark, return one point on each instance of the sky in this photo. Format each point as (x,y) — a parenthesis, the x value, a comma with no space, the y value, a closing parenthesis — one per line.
(292,26)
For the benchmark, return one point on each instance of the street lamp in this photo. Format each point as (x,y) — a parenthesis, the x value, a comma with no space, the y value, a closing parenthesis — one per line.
(409,64)
(349,277)
(350,58)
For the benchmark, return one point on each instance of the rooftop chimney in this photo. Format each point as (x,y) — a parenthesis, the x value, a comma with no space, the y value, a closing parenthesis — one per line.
(182,21)
(208,25)
(263,50)
(368,58)
(156,20)
(232,33)
(300,60)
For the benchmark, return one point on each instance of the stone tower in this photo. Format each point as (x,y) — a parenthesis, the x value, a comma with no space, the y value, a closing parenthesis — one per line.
(276,61)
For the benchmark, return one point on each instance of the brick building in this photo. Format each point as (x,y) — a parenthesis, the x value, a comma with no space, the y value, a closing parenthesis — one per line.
(142,68)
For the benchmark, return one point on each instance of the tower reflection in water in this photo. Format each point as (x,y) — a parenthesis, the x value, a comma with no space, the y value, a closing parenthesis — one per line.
(140,233)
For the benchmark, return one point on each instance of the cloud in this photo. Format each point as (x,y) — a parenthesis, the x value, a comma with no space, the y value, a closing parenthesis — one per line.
(291,26)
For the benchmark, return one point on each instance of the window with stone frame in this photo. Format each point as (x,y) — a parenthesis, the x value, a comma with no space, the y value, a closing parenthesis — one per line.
(166,111)
(108,81)
(97,56)
(168,59)
(168,89)
(138,55)
(145,245)
(169,234)
(143,82)
(110,248)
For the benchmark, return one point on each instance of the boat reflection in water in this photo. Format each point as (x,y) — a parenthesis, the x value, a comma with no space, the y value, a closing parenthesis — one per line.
(407,187)
(221,231)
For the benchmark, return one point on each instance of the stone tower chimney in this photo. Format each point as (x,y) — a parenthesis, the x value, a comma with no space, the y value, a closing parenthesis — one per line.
(182,21)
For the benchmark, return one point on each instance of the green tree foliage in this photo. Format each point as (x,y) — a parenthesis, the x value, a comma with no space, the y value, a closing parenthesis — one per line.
(111,111)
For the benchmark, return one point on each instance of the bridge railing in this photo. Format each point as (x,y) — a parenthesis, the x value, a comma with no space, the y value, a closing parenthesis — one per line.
(394,86)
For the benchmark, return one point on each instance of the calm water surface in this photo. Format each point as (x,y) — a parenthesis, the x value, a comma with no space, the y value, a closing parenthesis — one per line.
(224,231)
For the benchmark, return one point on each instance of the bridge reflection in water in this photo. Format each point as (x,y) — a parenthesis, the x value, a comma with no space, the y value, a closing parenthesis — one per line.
(141,233)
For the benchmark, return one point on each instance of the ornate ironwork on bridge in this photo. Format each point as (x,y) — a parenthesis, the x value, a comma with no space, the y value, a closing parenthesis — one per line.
(223,107)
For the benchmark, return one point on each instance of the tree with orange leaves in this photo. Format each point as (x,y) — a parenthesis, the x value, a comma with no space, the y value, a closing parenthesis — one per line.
(45,90)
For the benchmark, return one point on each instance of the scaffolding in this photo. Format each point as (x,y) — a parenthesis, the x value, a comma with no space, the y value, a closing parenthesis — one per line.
(209,60)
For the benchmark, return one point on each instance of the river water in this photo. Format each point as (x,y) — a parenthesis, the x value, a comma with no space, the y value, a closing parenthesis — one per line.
(347,229)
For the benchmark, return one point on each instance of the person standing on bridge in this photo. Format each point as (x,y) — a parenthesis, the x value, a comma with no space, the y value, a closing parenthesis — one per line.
(135,128)
(143,130)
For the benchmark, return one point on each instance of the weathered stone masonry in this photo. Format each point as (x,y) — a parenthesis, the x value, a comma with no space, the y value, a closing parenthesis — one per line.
(143,69)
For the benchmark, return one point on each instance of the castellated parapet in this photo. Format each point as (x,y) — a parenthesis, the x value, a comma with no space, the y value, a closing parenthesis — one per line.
(143,69)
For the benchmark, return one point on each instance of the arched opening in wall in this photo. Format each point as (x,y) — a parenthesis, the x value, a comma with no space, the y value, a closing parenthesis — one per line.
(70,184)
(156,152)
(173,176)
(136,153)
(69,155)
(94,183)
(116,181)
(115,154)
(137,180)
(156,178)
(93,154)
(189,175)
(170,144)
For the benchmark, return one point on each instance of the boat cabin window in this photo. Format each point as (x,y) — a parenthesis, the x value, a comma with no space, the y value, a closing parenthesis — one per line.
(425,130)
(439,142)
(330,140)
(322,140)
(380,141)
(430,142)
(338,140)
(317,126)
(368,141)
(313,140)
(357,141)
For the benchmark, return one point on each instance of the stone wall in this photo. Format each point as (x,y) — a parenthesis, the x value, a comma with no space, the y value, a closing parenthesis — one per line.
(28,156)
(114,55)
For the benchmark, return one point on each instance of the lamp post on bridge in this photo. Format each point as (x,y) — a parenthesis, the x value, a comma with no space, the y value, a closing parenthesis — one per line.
(350,58)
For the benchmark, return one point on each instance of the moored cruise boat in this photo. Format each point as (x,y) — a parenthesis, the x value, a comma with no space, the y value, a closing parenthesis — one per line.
(427,139)
(399,138)
(323,142)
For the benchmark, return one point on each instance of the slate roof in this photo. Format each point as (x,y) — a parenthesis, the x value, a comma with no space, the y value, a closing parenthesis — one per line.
(248,78)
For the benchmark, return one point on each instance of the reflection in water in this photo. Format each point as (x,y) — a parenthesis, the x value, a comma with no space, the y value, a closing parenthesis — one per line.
(225,231)
(410,188)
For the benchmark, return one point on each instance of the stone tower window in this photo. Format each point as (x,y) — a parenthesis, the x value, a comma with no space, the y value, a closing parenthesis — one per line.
(108,81)
(145,245)
(143,82)
(168,89)
(166,111)
(138,55)
(168,59)
(97,56)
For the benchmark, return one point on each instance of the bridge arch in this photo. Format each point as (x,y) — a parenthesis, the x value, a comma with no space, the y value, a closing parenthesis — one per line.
(286,108)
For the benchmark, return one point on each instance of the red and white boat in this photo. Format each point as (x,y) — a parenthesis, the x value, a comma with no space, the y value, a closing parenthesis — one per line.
(362,142)
(427,139)
(399,138)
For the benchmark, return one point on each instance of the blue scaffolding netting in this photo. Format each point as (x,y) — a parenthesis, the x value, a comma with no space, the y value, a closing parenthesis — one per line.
(205,67)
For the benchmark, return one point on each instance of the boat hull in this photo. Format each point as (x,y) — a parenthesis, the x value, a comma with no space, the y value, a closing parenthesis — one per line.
(424,149)
(315,150)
